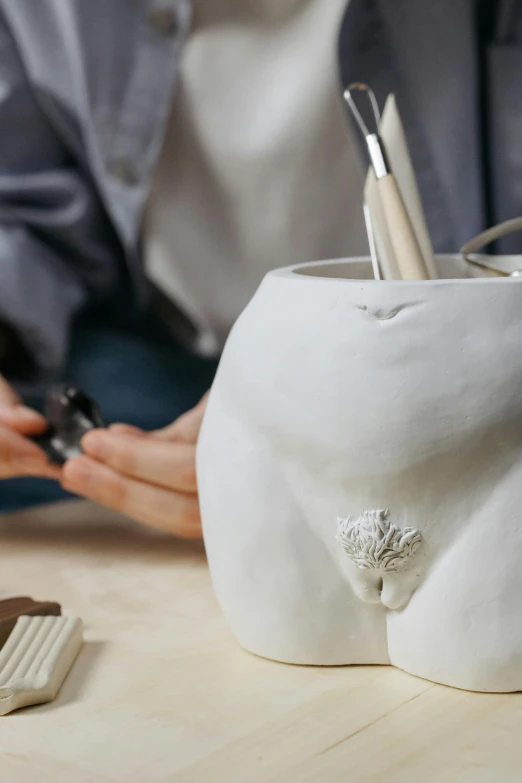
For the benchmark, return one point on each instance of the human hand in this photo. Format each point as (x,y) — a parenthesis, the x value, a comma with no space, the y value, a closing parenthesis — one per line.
(150,477)
(18,455)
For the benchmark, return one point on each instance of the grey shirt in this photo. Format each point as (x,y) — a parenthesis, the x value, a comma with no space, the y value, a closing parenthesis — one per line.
(85,91)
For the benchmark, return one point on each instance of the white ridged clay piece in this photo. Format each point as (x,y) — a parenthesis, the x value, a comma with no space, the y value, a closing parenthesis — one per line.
(36,659)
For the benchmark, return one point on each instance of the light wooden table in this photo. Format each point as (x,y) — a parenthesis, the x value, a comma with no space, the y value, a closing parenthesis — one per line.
(161,693)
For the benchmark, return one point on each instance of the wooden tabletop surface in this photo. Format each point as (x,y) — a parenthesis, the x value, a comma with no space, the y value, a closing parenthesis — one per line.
(161,692)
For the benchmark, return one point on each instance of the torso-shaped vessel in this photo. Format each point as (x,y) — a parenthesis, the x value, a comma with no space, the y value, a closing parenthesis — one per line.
(360,473)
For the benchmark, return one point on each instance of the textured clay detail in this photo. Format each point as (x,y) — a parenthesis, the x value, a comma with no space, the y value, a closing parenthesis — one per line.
(36,659)
(384,313)
(373,542)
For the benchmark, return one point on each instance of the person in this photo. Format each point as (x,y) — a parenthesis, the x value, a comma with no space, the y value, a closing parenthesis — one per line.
(159,157)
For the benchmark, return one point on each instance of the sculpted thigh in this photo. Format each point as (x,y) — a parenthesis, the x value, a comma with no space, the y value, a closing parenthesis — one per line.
(276,579)
(463,625)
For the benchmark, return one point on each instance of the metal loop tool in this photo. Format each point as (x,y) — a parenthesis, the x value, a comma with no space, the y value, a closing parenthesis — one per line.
(483,239)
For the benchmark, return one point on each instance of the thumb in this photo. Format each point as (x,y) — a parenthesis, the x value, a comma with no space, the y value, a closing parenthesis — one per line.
(17,416)
(186,428)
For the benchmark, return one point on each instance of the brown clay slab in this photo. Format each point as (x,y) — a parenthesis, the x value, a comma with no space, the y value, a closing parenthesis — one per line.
(13,608)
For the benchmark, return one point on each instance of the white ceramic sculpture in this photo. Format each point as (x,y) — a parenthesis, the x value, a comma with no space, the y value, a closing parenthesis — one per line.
(360,473)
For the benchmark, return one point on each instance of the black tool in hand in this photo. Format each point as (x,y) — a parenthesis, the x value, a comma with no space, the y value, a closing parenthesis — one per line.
(70,414)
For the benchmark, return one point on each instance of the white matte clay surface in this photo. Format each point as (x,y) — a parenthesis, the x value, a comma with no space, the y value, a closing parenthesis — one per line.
(162,693)
(360,473)
(36,658)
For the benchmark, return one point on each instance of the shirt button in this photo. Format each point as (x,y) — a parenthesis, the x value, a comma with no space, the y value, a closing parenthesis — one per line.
(163,21)
(123,170)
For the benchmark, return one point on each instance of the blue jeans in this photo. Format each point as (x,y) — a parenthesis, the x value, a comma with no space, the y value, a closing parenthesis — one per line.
(138,375)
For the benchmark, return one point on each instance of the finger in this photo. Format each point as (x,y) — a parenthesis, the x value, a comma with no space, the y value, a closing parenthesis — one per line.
(28,468)
(127,429)
(46,470)
(163,463)
(186,428)
(17,416)
(172,512)
(20,457)
(23,420)
(8,396)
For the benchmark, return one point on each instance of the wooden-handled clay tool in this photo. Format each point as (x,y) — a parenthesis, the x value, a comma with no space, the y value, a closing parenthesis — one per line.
(406,247)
